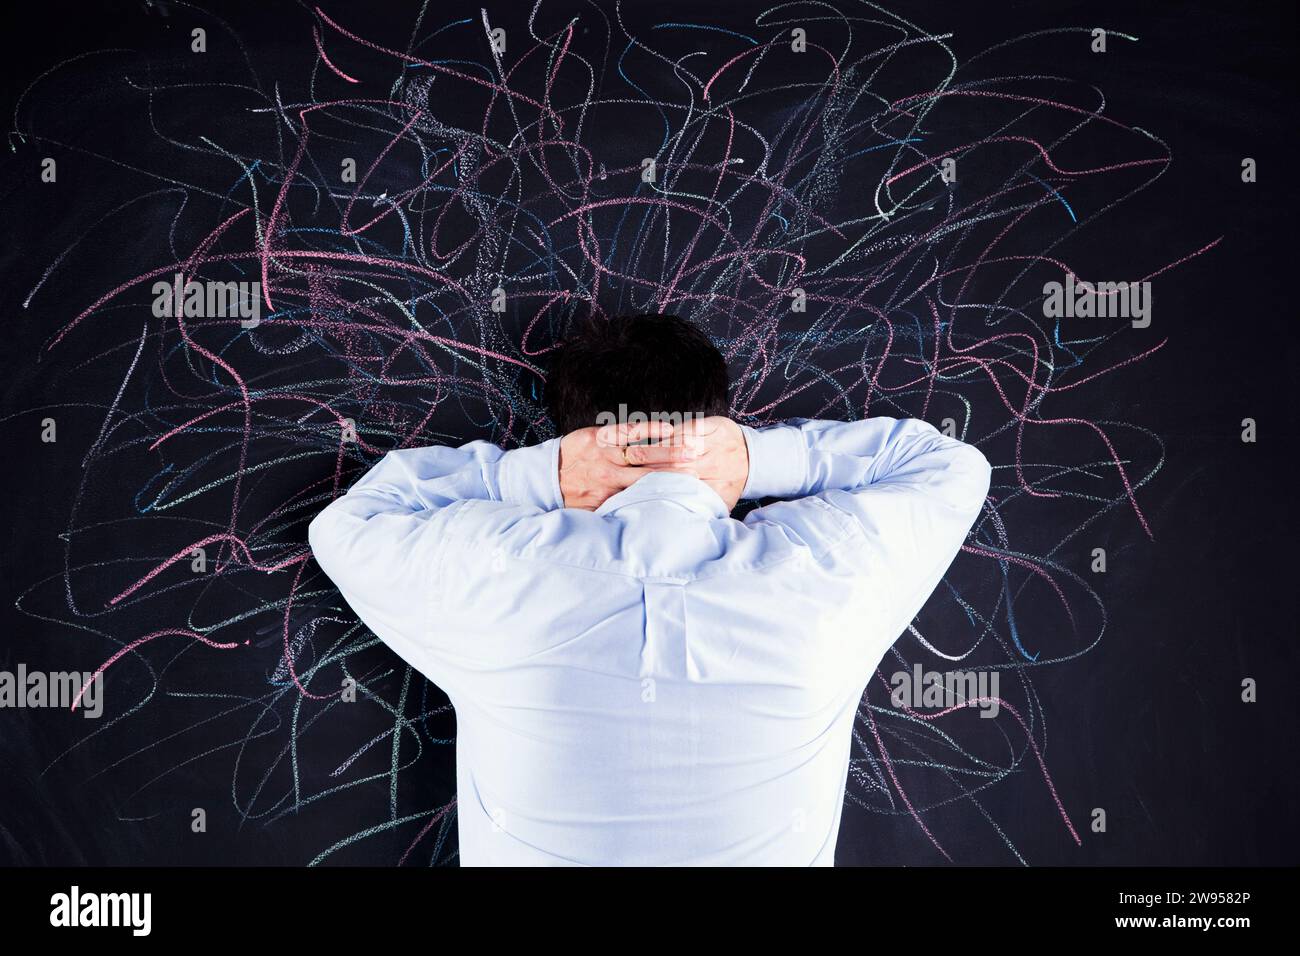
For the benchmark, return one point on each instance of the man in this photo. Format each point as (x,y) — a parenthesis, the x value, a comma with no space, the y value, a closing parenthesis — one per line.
(638,678)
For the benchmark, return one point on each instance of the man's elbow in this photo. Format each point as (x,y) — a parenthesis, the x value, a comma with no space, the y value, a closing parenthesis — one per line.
(979,476)
(321,538)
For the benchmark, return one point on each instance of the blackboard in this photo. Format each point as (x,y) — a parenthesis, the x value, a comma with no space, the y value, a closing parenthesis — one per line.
(778,172)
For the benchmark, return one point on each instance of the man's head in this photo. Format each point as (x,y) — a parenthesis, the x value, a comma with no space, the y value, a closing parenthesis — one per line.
(652,364)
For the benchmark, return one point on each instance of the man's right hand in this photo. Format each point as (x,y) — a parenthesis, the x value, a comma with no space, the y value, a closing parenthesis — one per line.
(601,461)
(721,458)
(721,455)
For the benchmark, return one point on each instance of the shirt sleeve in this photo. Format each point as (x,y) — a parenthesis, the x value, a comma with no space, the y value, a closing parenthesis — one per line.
(383,541)
(882,505)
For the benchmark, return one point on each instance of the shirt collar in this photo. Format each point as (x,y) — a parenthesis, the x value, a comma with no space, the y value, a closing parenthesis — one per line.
(685,490)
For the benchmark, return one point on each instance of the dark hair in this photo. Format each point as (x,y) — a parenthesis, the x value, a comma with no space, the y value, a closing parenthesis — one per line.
(650,363)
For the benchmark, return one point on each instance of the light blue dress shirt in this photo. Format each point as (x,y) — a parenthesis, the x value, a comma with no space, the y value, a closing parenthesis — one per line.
(654,682)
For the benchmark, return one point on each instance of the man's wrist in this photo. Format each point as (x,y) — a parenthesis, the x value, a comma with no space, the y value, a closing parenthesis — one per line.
(778,462)
(531,476)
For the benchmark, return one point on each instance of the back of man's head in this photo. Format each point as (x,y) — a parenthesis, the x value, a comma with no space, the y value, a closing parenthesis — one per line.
(651,364)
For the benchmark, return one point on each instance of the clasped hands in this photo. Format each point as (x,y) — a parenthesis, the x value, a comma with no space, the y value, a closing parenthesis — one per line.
(601,461)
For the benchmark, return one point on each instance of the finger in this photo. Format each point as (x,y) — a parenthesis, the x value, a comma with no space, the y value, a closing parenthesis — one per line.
(703,427)
(680,467)
(625,433)
(703,436)
(700,444)
(658,454)
(622,456)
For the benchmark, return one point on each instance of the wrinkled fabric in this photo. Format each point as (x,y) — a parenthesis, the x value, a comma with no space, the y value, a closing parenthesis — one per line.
(654,683)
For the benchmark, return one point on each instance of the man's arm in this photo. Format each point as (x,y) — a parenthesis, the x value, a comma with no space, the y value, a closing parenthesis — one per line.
(381,543)
(885,501)
(384,541)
